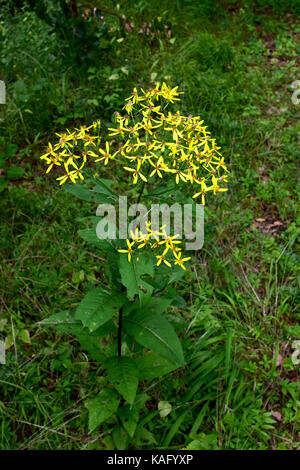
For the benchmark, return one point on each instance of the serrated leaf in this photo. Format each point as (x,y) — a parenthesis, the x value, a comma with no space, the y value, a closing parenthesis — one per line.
(132,272)
(152,365)
(123,374)
(129,417)
(97,307)
(156,333)
(102,407)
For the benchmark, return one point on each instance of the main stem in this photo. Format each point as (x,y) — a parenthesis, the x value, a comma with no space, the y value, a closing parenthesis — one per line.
(121,309)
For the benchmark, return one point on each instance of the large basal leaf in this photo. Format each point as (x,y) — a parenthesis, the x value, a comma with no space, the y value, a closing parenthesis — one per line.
(132,272)
(152,365)
(64,322)
(102,407)
(123,374)
(98,307)
(156,333)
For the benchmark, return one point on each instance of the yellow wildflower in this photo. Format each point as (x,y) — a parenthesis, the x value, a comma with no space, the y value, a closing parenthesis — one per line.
(129,250)
(106,154)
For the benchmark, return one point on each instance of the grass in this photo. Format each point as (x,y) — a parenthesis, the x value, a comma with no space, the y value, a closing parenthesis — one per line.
(235,61)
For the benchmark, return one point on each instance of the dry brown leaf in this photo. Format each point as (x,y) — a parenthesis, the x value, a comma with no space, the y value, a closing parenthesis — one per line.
(277,415)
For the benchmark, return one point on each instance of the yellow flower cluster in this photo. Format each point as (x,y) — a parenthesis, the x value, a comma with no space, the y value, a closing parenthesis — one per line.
(168,245)
(148,142)
(72,151)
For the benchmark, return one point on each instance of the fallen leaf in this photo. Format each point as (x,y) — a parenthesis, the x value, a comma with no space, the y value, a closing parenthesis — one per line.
(277,415)
(277,222)
(279,360)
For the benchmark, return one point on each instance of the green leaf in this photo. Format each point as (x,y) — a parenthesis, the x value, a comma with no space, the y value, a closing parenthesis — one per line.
(156,333)
(164,408)
(156,305)
(112,269)
(14,172)
(178,301)
(24,336)
(120,437)
(102,407)
(131,274)
(97,307)
(3,184)
(64,322)
(123,374)
(161,191)
(129,417)
(176,274)
(103,186)
(11,150)
(91,342)
(140,400)
(143,436)
(90,195)
(90,235)
(151,366)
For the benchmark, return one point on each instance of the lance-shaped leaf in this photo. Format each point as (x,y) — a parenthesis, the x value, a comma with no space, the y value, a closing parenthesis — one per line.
(156,333)
(97,307)
(99,193)
(123,374)
(102,407)
(64,322)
